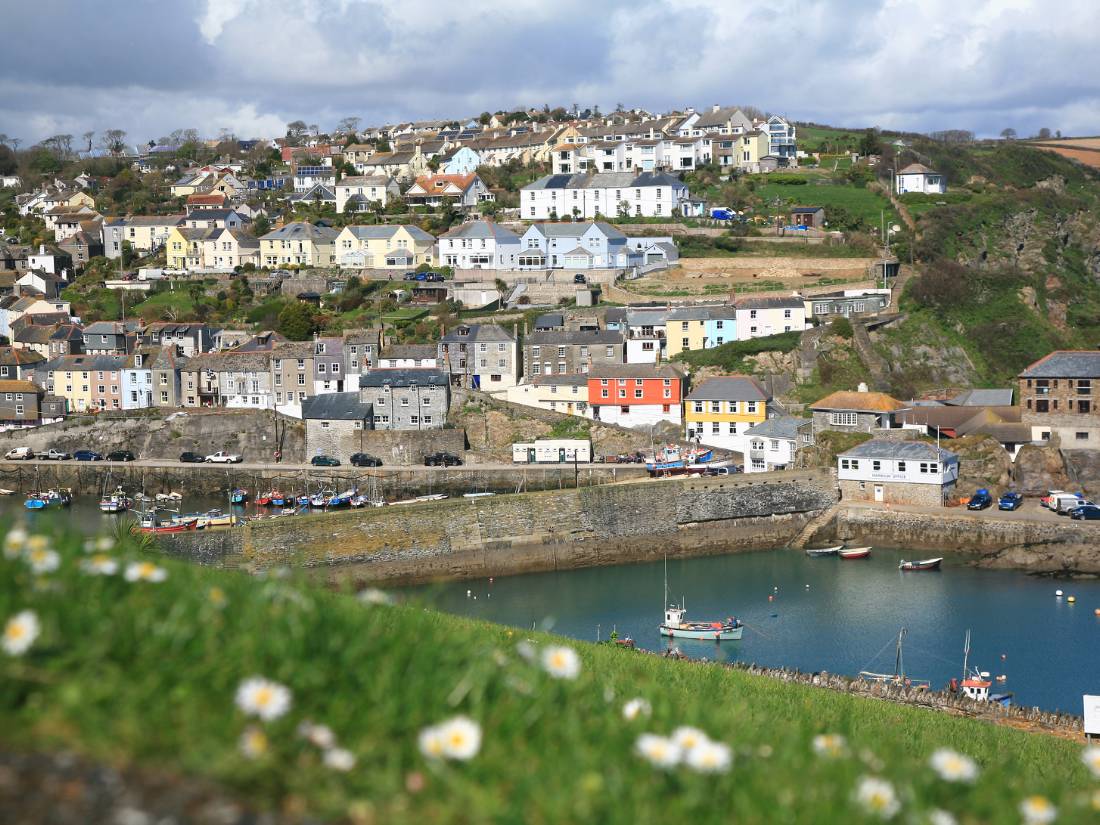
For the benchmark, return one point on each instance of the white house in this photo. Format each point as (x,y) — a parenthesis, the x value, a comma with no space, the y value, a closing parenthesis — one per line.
(773,444)
(358,192)
(137,380)
(919,178)
(760,317)
(306,177)
(898,472)
(605,194)
(463,191)
(479,245)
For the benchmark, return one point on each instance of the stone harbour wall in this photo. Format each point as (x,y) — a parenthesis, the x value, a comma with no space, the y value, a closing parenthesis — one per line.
(551,530)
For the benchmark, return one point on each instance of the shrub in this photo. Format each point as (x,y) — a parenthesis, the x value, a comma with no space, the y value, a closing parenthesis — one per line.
(841,327)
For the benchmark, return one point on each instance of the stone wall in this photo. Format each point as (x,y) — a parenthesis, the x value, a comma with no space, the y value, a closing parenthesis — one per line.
(395,447)
(579,527)
(1070,547)
(894,492)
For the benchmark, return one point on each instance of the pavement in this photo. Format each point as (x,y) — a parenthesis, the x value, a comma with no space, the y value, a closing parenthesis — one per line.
(163,463)
(1030,510)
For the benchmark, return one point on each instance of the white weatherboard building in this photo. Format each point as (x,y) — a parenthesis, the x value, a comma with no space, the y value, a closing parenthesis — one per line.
(897,472)
(919,178)
(610,194)
(773,444)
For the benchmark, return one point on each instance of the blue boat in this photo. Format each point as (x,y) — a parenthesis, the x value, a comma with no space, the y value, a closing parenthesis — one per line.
(50,498)
(675,458)
(343,499)
(238,496)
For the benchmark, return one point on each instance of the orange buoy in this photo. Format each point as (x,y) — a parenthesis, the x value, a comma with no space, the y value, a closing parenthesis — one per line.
(771,598)
(1071,599)
(1097,611)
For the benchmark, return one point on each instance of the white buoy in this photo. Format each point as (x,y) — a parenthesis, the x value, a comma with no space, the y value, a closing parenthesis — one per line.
(1058,594)
(470,593)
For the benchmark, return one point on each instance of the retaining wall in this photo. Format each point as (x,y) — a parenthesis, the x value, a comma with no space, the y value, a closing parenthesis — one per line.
(552,530)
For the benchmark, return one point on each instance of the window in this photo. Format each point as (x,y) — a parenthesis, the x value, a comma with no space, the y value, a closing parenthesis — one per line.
(901,466)
(320,368)
(536,351)
(427,419)
(752,313)
(698,406)
(1084,406)
(624,410)
(301,380)
(1042,405)
(1081,436)
(876,465)
(426,402)
(715,428)
(637,393)
(414,419)
(19,411)
(843,419)
(786,313)
(404,402)
(685,343)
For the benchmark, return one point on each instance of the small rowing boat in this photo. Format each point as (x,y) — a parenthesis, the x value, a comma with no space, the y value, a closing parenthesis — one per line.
(923,564)
(815,552)
(855,552)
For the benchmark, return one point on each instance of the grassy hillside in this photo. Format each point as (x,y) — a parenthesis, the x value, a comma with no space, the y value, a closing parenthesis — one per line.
(147,671)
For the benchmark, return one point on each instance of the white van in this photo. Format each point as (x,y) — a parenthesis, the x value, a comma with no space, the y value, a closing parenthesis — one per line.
(1062,503)
(19,454)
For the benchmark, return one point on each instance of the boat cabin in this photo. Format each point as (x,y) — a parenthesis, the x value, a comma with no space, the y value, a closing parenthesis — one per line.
(976,689)
(674,617)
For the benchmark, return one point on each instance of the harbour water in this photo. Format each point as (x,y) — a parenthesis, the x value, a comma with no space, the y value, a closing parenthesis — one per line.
(824,614)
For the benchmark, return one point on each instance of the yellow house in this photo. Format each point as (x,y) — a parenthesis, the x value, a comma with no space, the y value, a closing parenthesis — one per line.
(405,246)
(695,328)
(752,147)
(73,384)
(720,411)
(557,393)
(299,243)
(186,247)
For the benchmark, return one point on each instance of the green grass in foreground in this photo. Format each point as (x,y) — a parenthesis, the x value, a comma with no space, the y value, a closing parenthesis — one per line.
(147,672)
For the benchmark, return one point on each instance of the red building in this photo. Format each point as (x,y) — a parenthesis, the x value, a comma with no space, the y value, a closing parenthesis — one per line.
(636,395)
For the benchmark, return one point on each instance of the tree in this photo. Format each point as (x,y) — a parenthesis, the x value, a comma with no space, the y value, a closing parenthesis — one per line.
(349,125)
(296,321)
(44,162)
(182,136)
(624,209)
(113,141)
(296,128)
(870,144)
(88,139)
(8,164)
(60,145)
(484,118)
(1009,133)
(1044,133)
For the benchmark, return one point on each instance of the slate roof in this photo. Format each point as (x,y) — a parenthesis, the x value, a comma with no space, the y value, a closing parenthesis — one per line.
(792,302)
(917,169)
(478,333)
(784,426)
(301,231)
(858,402)
(366,233)
(483,229)
(550,320)
(901,450)
(336,406)
(403,378)
(702,313)
(729,388)
(576,230)
(551,337)
(635,371)
(364,180)
(410,351)
(605,180)
(1066,364)
(86,363)
(12,357)
(982,398)
(571,380)
(105,328)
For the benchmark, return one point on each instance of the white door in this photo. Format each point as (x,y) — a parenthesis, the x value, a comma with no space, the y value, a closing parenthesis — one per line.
(880,494)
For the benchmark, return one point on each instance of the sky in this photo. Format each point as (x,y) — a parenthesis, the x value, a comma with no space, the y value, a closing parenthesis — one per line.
(251,66)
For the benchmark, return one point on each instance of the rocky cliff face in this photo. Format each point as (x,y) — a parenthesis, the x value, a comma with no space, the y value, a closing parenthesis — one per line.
(1039,469)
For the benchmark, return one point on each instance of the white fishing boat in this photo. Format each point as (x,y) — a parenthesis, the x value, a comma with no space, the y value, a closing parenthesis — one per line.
(976,683)
(677,626)
(116,502)
(898,677)
(815,552)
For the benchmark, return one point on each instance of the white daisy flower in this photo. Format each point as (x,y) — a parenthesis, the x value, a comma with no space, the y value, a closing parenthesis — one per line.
(43,560)
(20,632)
(430,742)
(372,595)
(263,698)
(144,571)
(659,751)
(1038,810)
(14,542)
(99,565)
(830,744)
(318,735)
(1091,757)
(37,542)
(953,767)
(104,544)
(877,797)
(561,662)
(940,817)
(709,757)
(687,738)
(526,650)
(339,759)
(253,742)
(635,708)
(461,738)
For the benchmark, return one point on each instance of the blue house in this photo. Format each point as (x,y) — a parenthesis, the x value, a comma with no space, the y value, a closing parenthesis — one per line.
(463,162)
(720,327)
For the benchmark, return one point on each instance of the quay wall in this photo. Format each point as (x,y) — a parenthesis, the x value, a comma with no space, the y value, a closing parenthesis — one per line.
(551,530)
(1053,548)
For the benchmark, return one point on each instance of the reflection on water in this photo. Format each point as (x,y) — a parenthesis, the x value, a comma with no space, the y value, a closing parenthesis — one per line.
(824,614)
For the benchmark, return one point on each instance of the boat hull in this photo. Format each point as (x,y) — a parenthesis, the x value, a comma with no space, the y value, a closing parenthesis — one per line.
(926,564)
(823,551)
(855,553)
(710,634)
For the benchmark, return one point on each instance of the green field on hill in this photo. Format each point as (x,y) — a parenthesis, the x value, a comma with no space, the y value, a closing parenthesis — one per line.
(150,671)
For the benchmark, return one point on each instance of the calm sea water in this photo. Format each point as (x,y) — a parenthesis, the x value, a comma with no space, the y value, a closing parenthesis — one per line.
(824,614)
(83,515)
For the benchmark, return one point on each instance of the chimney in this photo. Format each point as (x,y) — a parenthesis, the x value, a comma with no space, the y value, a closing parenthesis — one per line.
(862,387)
(715,107)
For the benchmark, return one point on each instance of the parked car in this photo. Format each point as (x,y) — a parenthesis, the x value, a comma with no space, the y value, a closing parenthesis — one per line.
(980,500)
(54,455)
(409,276)
(192,458)
(1010,501)
(120,455)
(365,460)
(222,457)
(719,471)
(324,461)
(435,276)
(442,459)
(1086,512)
(19,454)
(87,455)
(421,276)
(579,279)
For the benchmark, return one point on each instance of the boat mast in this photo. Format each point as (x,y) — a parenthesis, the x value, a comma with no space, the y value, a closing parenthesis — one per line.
(966,652)
(899,662)
(664,607)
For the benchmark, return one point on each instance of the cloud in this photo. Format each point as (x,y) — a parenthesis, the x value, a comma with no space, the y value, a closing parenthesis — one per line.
(253,65)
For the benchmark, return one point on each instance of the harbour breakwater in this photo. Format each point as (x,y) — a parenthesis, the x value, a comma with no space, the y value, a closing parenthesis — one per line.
(1070,548)
(550,530)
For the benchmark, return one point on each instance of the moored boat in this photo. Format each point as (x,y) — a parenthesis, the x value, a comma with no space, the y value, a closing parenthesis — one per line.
(816,552)
(923,564)
(268,499)
(677,626)
(149,524)
(673,457)
(975,684)
(898,677)
(49,498)
(854,552)
(238,496)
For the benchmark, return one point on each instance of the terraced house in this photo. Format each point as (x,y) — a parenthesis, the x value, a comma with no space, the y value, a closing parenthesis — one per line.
(480,356)
(299,243)
(695,328)
(565,352)
(636,395)
(402,247)
(720,411)
(1057,399)
(87,382)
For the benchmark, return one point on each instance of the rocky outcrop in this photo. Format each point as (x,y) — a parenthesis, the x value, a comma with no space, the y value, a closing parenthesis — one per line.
(1038,469)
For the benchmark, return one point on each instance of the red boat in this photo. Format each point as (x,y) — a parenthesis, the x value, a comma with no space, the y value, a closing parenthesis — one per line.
(855,552)
(924,564)
(149,525)
(267,499)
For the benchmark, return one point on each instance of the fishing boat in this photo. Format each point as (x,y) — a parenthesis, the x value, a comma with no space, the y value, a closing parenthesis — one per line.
(898,677)
(268,499)
(321,499)
(677,626)
(164,497)
(116,502)
(149,524)
(49,498)
(923,564)
(674,457)
(477,495)
(975,684)
(854,552)
(211,518)
(238,496)
(6,492)
(817,552)
(343,499)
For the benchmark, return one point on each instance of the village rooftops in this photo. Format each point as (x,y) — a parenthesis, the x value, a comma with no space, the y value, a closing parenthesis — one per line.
(382,233)
(877,402)
(783,426)
(301,231)
(86,363)
(403,378)
(336,406)
(635,371)
(606,180)
(482,229)
(982,398)
(478,334)
(792,302)
(917,169)
(1066,364)
(703,313)
(550,337)
(576,230)
(729,388)
(900,450)
(13,385)
(12,357)
(416,351)
(364,180)
(570,380)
